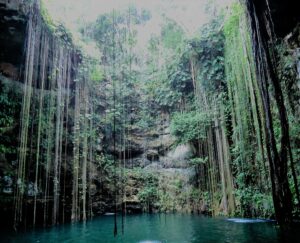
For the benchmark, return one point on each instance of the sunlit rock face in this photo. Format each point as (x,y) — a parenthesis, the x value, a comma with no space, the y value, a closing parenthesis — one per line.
(181,152)
(177,157)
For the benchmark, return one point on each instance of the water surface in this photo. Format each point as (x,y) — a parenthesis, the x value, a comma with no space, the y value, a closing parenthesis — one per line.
(157,228)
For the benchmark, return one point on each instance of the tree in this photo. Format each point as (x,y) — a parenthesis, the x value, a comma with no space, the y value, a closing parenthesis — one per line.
(263,38)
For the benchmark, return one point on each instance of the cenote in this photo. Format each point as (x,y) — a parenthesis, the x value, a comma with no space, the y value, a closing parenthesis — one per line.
(149,120)
(158,228)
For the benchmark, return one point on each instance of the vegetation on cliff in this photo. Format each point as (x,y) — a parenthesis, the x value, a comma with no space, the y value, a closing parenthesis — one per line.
(205,122)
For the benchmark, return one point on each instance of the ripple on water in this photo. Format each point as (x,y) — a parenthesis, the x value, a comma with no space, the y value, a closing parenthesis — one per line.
(241,220)
(150,241)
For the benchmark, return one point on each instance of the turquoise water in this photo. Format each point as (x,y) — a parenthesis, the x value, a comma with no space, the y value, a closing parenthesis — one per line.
(158,228)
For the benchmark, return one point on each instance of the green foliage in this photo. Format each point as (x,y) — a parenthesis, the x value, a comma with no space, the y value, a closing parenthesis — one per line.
(159,91)
(10,107)
(111,32)
(166,98)
(148,196)
(172,35)
(244,102)
(198,161)
(96,73)
(179,76)
(232,21)
(58,29)
(189,126)
(146,120)
(105,164)
(209,52)
(47,18)
(253,203)
(287,71)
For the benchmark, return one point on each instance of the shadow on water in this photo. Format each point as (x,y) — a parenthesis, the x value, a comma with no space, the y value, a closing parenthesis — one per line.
(156,228)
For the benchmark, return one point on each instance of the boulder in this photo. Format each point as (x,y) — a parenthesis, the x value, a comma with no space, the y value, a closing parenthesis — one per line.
(182,152)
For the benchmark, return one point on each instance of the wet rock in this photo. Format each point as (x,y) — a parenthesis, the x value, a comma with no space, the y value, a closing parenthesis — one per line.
(140,161)
(9,70)
(152,155)
(153,166)
(12,36)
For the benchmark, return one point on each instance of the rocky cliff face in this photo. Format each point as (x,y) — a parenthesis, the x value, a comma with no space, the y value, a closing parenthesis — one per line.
(12,37)
(26,77)
(159,174)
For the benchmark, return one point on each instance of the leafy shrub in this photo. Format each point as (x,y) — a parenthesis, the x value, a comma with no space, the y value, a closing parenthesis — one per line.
(190,126)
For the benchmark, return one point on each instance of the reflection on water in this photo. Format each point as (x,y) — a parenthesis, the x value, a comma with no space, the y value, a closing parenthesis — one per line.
(160,228)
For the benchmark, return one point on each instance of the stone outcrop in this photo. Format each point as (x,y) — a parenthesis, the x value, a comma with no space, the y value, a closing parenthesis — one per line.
(12,37)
